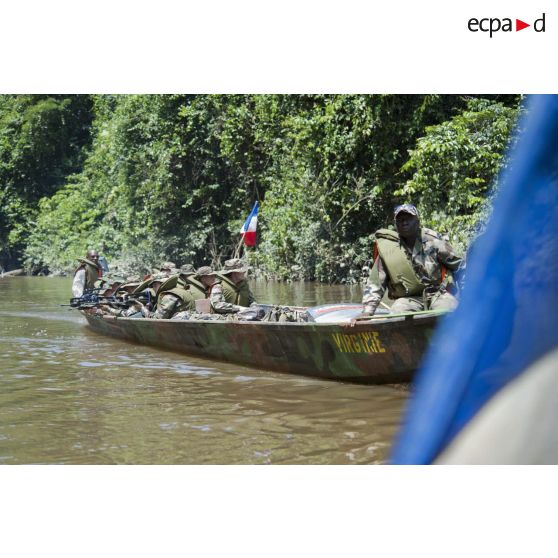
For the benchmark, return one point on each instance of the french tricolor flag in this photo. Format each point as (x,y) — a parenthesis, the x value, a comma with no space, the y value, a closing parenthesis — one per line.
(248,230)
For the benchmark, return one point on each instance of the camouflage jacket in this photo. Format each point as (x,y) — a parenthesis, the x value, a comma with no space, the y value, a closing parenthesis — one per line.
(135,308)
(175,300)
(430,253)
(228,298)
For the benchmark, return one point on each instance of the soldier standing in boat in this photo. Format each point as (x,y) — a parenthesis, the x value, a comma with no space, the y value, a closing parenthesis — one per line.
(414,263)
(231,293)
(87,273)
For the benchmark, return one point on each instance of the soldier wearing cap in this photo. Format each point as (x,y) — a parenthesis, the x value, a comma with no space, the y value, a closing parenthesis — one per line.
(414,264)
(231,293)
(183,294)
(87,273)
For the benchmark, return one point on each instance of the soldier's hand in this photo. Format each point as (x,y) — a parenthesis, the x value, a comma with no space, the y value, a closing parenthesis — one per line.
(360,317)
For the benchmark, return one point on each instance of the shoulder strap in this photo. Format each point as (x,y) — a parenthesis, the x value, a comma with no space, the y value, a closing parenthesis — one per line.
(229,288)
(387,234)
(224,279)
(195,283)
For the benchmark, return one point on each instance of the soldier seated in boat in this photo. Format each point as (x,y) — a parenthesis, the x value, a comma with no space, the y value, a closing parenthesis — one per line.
(231,294)
(87,273)
(129,286)
(148,290)
(109,284)
(122,292)
(181,295)
(414,264)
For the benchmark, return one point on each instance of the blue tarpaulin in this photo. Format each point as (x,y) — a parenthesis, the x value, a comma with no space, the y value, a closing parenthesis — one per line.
(508,313)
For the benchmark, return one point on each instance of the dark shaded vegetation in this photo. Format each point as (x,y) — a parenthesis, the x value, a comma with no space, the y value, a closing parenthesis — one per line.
(147,178)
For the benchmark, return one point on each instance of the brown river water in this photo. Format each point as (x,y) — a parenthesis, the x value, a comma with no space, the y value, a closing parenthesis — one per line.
(69,395)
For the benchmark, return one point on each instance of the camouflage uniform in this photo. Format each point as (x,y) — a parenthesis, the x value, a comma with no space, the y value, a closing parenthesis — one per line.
(136,309)
(167,303)
(430,253)
(150,289)
(183,296)
(177,299)
(228,297)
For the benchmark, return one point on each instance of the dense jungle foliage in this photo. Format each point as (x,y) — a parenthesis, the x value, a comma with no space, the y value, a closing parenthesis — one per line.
(146,178)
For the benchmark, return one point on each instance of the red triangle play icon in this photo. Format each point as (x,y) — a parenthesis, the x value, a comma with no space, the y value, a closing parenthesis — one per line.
(519,25)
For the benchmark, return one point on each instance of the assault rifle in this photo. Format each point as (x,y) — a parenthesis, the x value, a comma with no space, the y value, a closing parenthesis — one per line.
(92,299)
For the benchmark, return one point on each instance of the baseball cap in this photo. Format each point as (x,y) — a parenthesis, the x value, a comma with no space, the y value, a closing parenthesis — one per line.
(405,208)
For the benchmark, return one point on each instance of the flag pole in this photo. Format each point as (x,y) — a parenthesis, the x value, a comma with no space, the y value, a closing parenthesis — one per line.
(236,253)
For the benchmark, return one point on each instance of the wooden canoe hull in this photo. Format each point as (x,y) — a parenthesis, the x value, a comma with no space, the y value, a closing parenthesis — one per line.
(381,350)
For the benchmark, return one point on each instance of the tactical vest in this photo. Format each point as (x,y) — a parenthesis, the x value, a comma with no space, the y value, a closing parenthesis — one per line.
(187,301)
(403,281)
(235,294)
(169,284)
(197,288)
(188,291)
(92,273)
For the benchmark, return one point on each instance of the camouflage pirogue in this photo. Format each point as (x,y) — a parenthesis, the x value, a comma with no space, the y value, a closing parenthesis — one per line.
(381,350)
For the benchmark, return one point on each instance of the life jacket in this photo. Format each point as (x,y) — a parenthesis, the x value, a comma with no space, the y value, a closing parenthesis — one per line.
(197,288)
(403,281)
(92,273)
(187,301)
(169,283)
(238,294)
(188,290)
